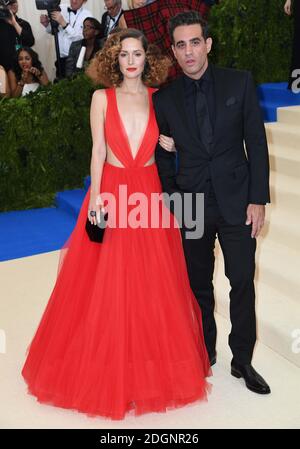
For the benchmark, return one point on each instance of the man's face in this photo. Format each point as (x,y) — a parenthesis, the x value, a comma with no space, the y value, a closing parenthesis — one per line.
(76,4)
(112,7)
(191,50)
(13,7)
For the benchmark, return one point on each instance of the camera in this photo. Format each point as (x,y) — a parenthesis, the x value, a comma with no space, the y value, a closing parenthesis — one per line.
(49,5)
(4,11)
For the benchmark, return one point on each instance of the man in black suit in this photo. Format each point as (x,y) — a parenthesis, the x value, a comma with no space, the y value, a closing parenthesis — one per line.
(214,117)
(111,17)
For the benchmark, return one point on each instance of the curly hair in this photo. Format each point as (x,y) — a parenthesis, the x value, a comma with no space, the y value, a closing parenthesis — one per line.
(35,62)
(104,69)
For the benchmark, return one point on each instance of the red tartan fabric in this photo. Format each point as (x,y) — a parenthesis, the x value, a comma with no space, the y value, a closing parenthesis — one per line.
(153,21)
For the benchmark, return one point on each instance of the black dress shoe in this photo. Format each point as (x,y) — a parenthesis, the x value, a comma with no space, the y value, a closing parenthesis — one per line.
(253,380)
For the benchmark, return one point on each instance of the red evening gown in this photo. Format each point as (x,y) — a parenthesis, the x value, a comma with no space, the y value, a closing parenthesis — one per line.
(122,330)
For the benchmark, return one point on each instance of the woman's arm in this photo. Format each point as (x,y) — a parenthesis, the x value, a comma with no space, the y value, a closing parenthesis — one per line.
(4,83)
(43,78)
(97,117)
(15,86)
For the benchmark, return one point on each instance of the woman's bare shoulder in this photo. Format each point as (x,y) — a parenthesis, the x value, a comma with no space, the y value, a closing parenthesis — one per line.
(99,98)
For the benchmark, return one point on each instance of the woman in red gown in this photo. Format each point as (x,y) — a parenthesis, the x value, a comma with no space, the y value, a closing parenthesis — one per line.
(122,330)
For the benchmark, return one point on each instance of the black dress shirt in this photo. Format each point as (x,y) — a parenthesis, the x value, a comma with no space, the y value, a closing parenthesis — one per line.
(209,91)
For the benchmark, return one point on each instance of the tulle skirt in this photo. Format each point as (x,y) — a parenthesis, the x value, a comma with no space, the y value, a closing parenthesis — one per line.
(122,329)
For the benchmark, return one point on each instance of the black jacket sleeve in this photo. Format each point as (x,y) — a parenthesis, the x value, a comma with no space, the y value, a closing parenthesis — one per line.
(26,37)
(256,146)
(72,58)
(165,160)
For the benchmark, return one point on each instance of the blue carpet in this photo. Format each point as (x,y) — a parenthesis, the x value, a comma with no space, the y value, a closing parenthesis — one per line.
(35,231)
(273,96)
(25,233)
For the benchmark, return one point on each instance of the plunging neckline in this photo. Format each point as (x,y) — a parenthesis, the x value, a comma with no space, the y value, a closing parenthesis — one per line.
(143,135)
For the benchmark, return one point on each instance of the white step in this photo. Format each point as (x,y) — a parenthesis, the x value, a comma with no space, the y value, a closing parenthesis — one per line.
(278,267)
(283,134)
(282,226)
(285,190)
(278,317)
(285,160)
(290,115)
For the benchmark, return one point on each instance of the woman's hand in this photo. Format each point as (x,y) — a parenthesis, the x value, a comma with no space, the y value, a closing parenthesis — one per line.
(25,77)
(288,7)
(167,143)
(95,204)
(35,72)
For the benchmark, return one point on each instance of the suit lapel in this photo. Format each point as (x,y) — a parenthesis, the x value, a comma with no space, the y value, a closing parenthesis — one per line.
(220,99)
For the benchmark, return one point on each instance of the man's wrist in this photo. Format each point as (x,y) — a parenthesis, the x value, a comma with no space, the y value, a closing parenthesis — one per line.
(65,25)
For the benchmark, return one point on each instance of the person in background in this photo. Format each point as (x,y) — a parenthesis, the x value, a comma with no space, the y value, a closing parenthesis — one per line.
(81,52)
(4,84)
(27,74)
(70,20)
(14,32)
(152,19)
(293,7)
(133,4)
(112,16)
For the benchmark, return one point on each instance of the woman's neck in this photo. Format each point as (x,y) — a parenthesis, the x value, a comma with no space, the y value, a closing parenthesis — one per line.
(132,86)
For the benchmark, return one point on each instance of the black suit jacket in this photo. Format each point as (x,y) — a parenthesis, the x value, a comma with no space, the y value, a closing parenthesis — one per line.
(237,163)
(104,22)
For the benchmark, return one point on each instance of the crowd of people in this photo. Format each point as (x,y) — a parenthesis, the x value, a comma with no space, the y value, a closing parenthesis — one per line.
(80,37)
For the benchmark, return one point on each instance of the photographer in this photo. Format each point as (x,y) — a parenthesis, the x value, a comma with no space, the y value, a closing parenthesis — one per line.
(70,28)
(15,32)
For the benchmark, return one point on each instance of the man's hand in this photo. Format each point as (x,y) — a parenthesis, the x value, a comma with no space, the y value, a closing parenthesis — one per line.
(12,20)
(56,15)
(44,19)
(256,217)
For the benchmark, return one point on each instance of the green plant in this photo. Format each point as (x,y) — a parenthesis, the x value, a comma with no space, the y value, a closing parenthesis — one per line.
(45,143)
(254,35)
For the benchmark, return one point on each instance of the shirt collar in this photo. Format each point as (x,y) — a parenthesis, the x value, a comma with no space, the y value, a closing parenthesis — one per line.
(207,76)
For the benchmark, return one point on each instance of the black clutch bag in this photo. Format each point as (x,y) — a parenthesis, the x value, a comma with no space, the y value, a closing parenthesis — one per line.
(96,232)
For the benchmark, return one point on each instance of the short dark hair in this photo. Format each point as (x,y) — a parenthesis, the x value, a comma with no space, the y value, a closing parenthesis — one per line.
(97,25)
(188,18)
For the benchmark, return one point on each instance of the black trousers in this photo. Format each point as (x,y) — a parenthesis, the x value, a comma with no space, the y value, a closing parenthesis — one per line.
(239,256)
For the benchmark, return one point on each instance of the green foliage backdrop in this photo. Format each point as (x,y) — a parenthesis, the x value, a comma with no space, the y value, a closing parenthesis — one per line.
(45,141)
(254,35)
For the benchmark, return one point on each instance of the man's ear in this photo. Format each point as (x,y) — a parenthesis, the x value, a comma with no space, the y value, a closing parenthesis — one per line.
(209,43)
(174,50)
